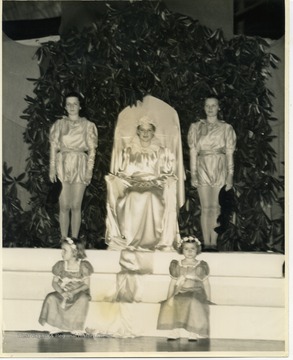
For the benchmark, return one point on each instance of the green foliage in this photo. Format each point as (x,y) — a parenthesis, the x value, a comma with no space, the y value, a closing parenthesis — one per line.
(14,217)
(146,49)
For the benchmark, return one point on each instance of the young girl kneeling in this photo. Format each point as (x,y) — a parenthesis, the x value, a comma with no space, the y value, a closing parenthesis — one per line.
(188,296)
(66,308)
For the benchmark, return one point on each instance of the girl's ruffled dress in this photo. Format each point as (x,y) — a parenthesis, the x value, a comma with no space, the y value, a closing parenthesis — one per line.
(70,314)
(189,307)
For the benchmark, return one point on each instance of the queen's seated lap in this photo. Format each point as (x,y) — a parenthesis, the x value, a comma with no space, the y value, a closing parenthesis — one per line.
(145,188)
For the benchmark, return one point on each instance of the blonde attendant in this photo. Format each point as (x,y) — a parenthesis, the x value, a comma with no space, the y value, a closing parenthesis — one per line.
(212,144)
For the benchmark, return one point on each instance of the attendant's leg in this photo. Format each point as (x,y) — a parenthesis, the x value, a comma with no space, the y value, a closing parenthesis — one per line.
(214,214)
(204,196)
(77,192)
(65,205)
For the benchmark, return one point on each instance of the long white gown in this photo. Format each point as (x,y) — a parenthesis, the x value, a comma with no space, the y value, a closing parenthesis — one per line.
(142,208)
(145,188)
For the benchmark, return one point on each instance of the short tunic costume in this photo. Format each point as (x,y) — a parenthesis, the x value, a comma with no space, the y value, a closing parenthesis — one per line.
(213,146)
(69,314)
(188,308)
(73,147)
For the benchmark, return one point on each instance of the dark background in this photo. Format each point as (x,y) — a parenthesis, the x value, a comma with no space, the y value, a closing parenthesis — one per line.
(34,19)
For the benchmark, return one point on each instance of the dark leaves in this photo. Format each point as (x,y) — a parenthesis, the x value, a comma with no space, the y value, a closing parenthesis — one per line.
(146,49)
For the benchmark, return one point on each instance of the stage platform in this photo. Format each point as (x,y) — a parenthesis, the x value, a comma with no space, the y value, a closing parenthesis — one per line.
(248,289)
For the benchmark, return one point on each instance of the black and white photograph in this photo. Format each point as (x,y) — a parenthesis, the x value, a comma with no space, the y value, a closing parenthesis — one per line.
(144,178)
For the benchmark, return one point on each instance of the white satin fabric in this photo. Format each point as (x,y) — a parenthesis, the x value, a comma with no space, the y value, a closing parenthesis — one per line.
(146,185)
(212,147)
(73,149)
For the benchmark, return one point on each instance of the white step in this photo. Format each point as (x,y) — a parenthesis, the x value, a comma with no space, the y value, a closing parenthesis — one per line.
(241,264)
(126,319)
(248,289)
(224,290)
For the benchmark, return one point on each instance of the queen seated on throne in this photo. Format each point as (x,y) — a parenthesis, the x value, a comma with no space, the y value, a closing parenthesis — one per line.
(145,188)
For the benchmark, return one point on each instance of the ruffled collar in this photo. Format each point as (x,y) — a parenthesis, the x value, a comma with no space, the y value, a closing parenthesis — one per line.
(70,270)
(136,145)
(190,265)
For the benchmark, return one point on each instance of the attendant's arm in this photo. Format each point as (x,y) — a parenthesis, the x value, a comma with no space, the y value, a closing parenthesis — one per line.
(193,154)
(54,147)
(230,171)
(193,168)
(92,141)
(230,148)
(52,171)
(90,164)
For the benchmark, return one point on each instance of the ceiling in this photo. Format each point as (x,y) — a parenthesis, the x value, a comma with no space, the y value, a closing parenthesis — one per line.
(265,18)
(35,19)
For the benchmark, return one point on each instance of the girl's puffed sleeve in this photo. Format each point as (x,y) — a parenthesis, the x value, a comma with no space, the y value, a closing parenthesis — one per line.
(230,148)
(86,268)
(92,143)
(203,270)
(174,269)
(57,268)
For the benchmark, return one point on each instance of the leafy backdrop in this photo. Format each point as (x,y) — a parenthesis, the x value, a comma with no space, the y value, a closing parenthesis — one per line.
(123,56)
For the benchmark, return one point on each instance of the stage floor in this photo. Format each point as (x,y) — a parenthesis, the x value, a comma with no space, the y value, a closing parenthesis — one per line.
(41,342)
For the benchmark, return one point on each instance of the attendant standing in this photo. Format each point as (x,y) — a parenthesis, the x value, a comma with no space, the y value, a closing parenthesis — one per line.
(212,143)
(73,141)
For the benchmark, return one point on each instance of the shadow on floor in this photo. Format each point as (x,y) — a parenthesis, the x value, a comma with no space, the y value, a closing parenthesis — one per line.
(42,342)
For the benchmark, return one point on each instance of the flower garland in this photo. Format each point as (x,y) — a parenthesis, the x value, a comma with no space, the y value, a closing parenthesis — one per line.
(181,241)
(70,242)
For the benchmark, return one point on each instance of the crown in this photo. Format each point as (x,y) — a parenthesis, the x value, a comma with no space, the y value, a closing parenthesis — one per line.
(70,242)
(188,238)
(146,120)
